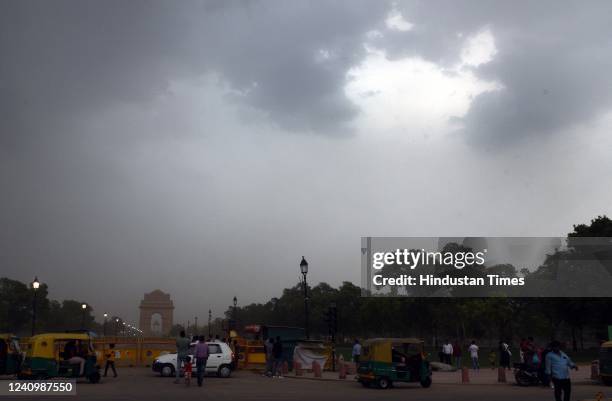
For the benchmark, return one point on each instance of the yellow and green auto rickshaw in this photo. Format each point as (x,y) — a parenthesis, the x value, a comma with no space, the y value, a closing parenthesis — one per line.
(387,360)
(11,356)
(69,354)
(605,363)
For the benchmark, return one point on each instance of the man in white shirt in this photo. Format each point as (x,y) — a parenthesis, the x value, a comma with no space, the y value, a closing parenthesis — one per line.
(356,351)
(473,348)
(447,350)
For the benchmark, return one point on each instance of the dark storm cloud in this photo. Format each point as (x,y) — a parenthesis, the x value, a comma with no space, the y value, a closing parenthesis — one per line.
(62,56)
(554,61)
(117,161)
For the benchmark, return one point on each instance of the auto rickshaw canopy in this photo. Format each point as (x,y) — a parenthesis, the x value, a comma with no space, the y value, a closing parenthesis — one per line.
(380,349)
(42,345)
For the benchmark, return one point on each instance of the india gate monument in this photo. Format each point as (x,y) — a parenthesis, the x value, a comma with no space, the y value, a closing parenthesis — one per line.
(156,309)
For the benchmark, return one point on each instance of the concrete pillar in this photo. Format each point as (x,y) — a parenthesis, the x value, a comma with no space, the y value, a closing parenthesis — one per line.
(316,369)
(501,374)
(465,375)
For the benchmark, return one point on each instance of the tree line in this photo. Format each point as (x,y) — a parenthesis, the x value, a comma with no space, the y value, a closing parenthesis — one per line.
(581,321)
(577,320)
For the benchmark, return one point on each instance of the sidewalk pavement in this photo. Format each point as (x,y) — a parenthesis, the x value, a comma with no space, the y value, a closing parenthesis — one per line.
(480,377)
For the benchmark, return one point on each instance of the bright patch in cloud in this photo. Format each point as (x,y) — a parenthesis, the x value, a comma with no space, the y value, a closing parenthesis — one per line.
(479,49)
(411,94)
(396,21)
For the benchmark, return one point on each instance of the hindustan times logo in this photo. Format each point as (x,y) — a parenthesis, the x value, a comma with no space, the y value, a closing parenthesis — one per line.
(414,258)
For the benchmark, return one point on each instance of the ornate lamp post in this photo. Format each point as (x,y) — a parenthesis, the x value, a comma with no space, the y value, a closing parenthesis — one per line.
(35,285)
(304,271)
(105,316)
(84,308)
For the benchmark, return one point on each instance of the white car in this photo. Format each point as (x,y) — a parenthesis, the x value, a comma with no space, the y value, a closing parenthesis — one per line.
(219,361)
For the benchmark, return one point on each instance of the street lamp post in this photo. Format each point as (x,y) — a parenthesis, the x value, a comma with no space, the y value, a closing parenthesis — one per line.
(105,316)
(235,310)
(304,270)
(84,308)
(116,325)
(209,323)
(234,322)
(35,285)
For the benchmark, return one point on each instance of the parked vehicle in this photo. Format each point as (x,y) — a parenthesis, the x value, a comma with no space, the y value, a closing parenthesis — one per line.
(529,375)
(219,361)
(388,360)
(11,356)
(48,357)
(605,363)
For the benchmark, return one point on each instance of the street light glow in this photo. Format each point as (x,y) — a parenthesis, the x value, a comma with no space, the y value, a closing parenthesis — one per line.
(84,306)
(35,283)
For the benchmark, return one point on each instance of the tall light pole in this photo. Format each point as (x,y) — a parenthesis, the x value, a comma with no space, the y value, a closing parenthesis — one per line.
(116,325)
(235,317)
(209,323)
(84,308)
(35,285)
(105,316)
(304,270)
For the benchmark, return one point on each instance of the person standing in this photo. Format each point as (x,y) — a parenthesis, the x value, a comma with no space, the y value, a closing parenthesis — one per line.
(447,349)
(201,356)
(473,348)
(269,348)
(558,366)
(277,351)
(504,355)
(236,350)
(109,356)
(356,353)
(182,349)
(457,354)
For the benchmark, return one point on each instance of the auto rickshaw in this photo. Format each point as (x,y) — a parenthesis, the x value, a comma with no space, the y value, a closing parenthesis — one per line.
(387,360)
(57,355)
(605,363)
(11,356)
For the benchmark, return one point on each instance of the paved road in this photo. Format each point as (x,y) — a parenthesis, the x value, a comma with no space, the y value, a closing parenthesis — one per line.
(141,384)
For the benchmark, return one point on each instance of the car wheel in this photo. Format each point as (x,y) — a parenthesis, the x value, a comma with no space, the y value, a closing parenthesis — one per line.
(167,370)
(224,371)
(383,383)
(426,382)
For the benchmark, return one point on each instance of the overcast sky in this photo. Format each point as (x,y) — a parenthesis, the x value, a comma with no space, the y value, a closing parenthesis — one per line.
(203,147)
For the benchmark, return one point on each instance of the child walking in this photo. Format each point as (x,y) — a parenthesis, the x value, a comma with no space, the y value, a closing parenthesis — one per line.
(188,368)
